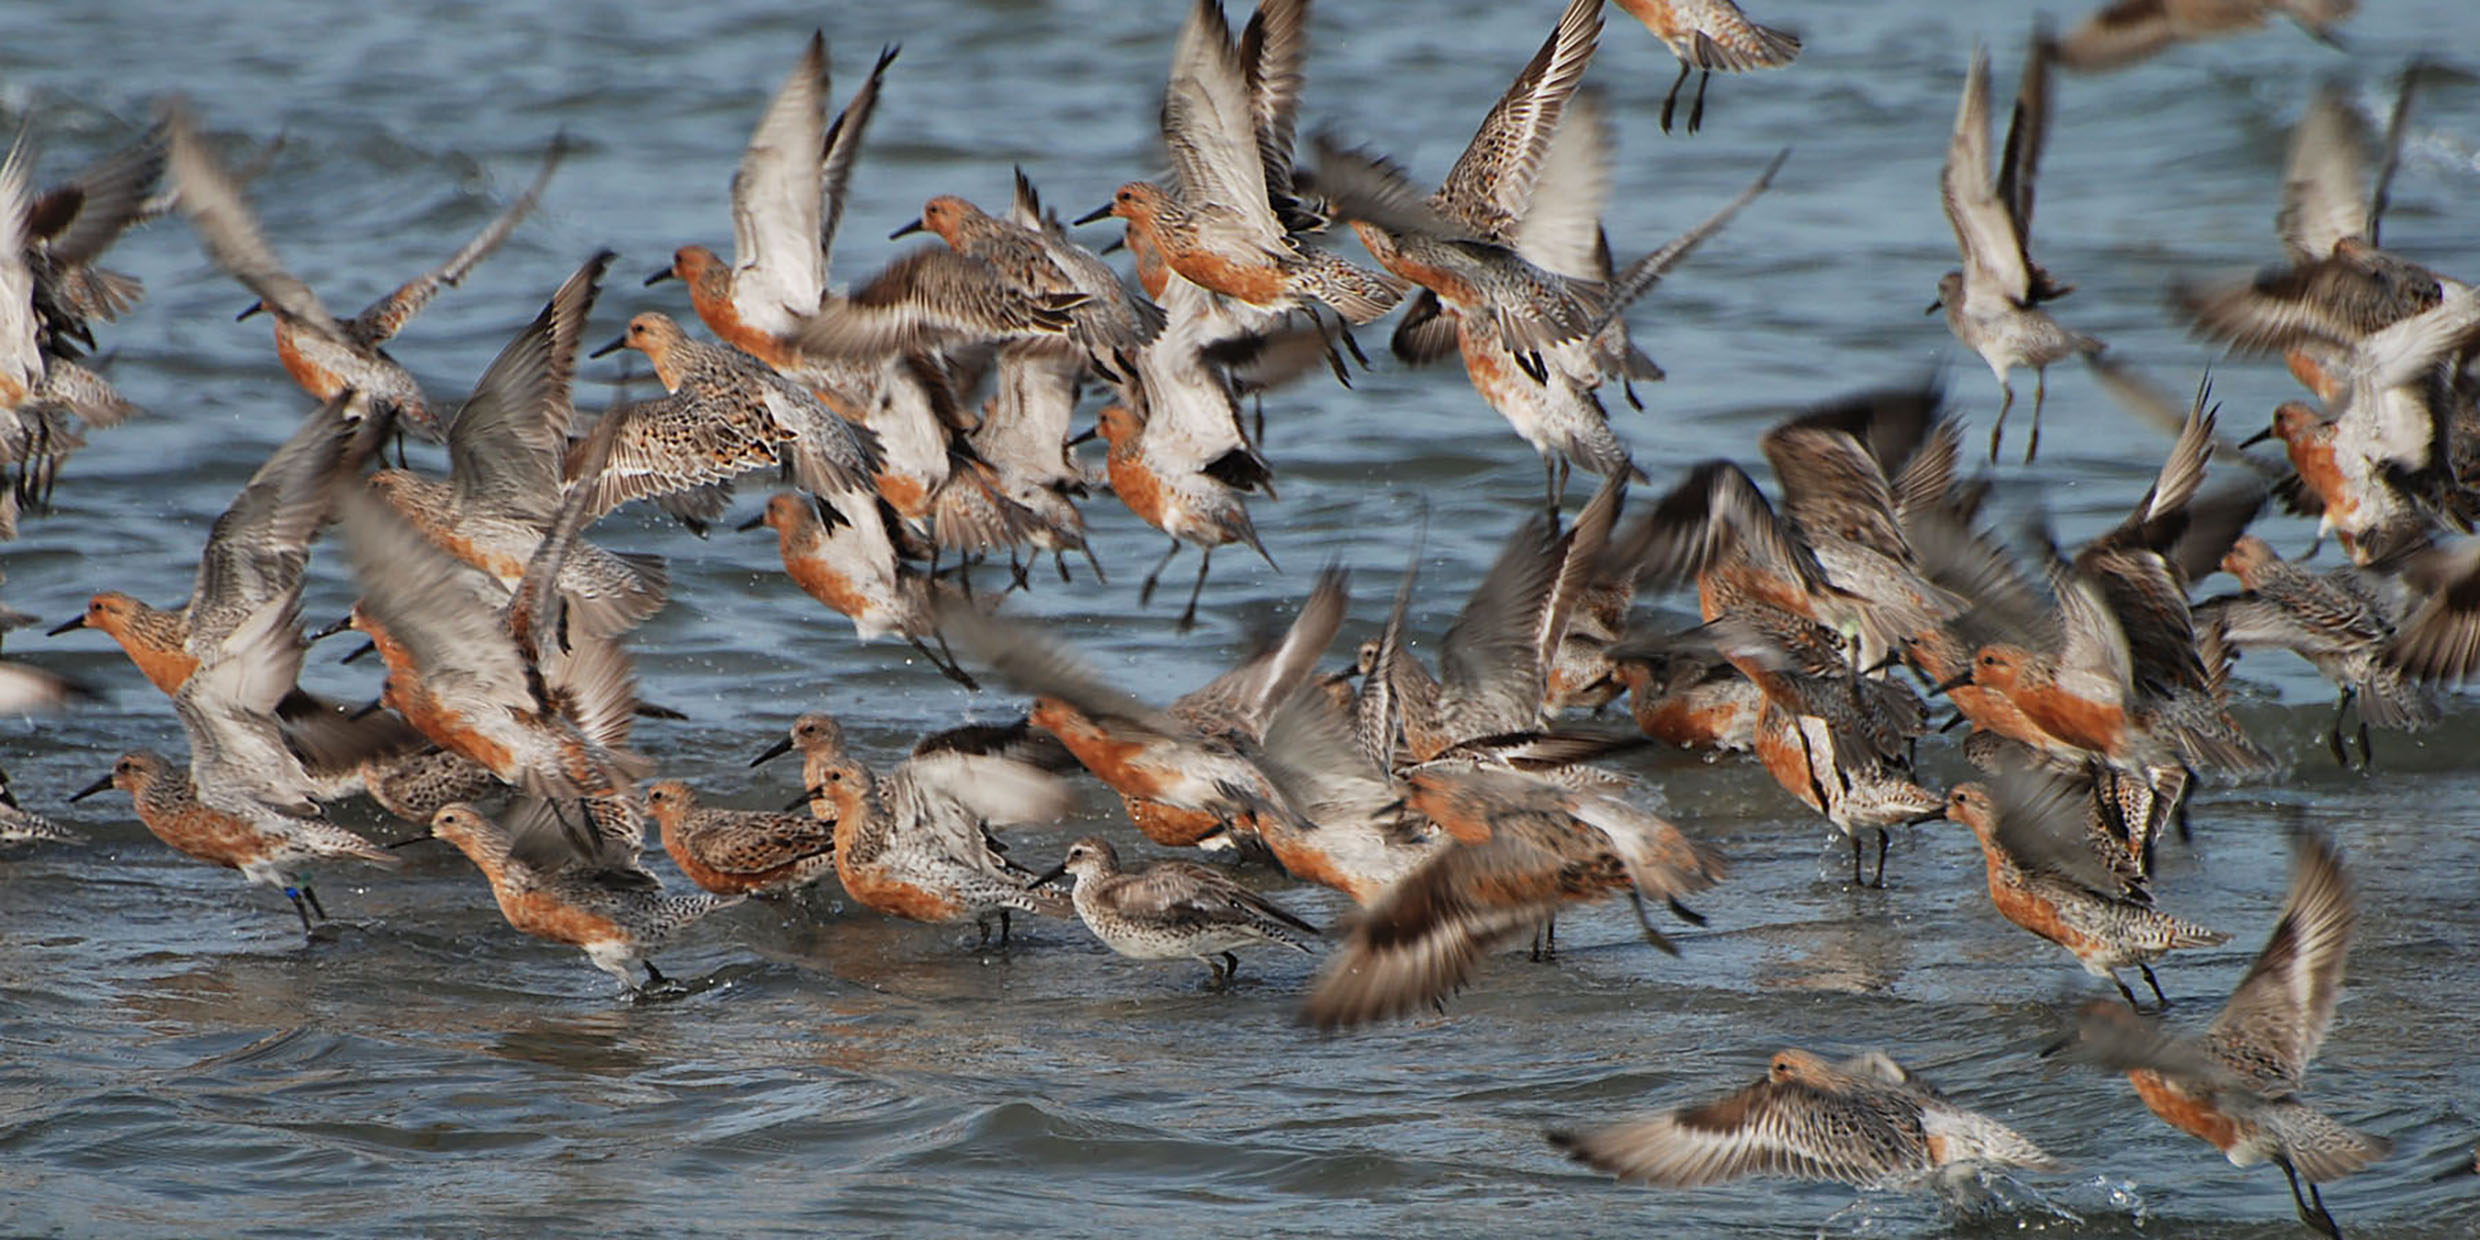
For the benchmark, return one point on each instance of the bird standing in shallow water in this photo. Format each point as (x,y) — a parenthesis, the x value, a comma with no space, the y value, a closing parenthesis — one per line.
(268,853)
(739,851)
(2238,1085)
(614,921)
(2044,877)
(1174,909)
(915,843)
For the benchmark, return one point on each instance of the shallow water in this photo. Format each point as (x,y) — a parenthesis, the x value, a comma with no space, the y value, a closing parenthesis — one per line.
(177,1062)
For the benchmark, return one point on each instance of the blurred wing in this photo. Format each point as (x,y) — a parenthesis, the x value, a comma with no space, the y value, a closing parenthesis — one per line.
(1560,230)
(112,195)
(229,230)
(843,152)
(260,546)
(779,268)
(1209,125)
(447,614)
(928,299)
(1038,663)
(2281,1009)
(994,789)
(239,762)
(21,349)
(1491,187)
(388,315)
(1769,1128)
(1421,939)
(1993,255)
(662,446)
(505,446)
(2324,179)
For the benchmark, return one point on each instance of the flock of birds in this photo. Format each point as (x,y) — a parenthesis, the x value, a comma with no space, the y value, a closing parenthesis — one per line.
(1460,806)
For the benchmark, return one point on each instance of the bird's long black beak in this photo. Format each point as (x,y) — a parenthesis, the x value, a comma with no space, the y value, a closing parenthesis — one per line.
(1045,878)
(1952,683)
(658,278)
(363,651)
(327,631)
(368,709)
(908,230)
(752,523)
(774,751)
(802,801)
(609,349)
(1931,816)
(93,788)
(1116,245)
(1097,213)
(77,621)
(1085,436)
(2257,438)
(249,310)
(423,838)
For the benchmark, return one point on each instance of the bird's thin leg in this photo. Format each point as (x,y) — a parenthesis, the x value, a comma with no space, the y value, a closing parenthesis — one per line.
(1550,482)
(312,895)
(1343,332)
(982,924)
(1095,564)
(2333,735)
(1671,100)
(1335,363)
(2132,1005)
(2187,830)
(2367,756)
(1884,837)
(294,894)
(2040,392)
(2315,1216)
(2155,983)
(1145,593)
(2324,1220)
(944,659)
(1188,617)
(1696,112)
(1644,921)
(1854,836)
(1997,430)
(1231,966)
(654,976)
(1007,926)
